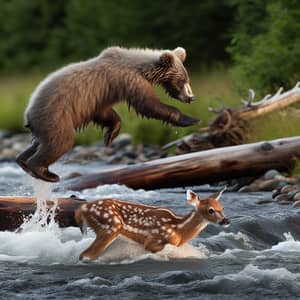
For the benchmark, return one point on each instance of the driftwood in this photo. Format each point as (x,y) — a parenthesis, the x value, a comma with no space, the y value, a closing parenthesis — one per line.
(231,126)
(13,211)
(197,168)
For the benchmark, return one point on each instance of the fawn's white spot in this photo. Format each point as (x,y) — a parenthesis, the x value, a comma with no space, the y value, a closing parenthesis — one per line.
(117,220)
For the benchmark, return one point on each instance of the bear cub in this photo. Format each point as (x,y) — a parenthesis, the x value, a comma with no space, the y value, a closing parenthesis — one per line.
(84,92)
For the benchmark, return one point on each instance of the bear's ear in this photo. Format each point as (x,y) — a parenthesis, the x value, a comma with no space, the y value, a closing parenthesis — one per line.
(166,59)
(180,53)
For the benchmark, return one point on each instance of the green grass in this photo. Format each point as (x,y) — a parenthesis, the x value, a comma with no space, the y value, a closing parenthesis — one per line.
(212,87)
(14,95)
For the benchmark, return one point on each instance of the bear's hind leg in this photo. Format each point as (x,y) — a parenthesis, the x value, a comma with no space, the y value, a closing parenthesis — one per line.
(26,154)
(50,150)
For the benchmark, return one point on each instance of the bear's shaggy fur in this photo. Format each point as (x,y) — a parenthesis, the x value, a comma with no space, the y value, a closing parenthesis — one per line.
(85,92)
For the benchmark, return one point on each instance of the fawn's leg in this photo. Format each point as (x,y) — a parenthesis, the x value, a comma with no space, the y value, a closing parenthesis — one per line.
(104,237)
(154,243)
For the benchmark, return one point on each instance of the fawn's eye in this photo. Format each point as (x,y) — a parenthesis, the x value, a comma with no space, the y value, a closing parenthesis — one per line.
(211,211)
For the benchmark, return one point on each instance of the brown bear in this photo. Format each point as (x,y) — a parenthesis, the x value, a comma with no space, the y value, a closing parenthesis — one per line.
(84,92)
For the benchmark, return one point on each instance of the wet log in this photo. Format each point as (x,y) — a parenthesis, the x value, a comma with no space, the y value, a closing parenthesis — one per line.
(15,209)
(198,167)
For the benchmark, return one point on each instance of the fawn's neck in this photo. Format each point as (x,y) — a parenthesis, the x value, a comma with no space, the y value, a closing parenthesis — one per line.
(191,225)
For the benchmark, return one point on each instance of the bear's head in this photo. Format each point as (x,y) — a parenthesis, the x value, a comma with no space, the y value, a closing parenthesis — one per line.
(175,79)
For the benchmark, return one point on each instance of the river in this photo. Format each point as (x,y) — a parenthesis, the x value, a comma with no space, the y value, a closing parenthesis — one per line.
(257,257)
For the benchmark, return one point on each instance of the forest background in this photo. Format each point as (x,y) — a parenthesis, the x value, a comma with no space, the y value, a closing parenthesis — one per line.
(232,45)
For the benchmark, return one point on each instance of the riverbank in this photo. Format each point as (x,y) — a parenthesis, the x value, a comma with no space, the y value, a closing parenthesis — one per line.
(212,87)
(123,151)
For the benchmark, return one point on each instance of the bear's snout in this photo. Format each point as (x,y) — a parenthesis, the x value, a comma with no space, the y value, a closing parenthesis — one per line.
(186,99)
(186,94)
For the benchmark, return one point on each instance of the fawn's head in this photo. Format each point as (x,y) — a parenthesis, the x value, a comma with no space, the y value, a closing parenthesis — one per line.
(209,208)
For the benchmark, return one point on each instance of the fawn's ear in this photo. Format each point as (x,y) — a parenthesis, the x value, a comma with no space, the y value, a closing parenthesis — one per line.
(218,195)
(191,197)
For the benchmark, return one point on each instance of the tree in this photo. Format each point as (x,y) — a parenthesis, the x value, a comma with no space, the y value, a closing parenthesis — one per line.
(47,33)
(266,44)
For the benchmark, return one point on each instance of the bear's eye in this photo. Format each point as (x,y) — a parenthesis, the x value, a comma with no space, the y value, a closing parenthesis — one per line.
(211,211)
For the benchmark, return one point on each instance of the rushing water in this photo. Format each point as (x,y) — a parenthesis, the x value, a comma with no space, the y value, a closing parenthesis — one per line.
(256,257)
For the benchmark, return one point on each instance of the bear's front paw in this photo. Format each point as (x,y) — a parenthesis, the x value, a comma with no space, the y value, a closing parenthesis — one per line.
(185,121)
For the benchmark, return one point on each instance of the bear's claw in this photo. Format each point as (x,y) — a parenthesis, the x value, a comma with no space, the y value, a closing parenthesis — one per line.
(48,176)
(185,121)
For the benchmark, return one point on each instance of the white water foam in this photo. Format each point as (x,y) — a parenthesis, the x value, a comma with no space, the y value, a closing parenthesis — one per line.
(65,245)
(239,240)
(239,236)
(125,251)
(289,245)
(252,277)
(45,247)
(115,191)
(247,280)
(289,248)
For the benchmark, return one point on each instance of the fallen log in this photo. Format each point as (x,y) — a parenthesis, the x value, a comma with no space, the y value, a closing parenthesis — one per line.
(269,103)
(198,167)
(14,210)
(232,126)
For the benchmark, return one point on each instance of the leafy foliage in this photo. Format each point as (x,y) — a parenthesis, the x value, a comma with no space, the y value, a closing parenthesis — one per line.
(266,43)
(45,33)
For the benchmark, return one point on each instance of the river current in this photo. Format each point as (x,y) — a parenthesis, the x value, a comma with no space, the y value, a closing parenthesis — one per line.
(257,257)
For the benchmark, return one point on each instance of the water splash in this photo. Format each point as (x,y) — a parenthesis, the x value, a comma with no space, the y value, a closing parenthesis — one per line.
(43,218)
(289,245)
